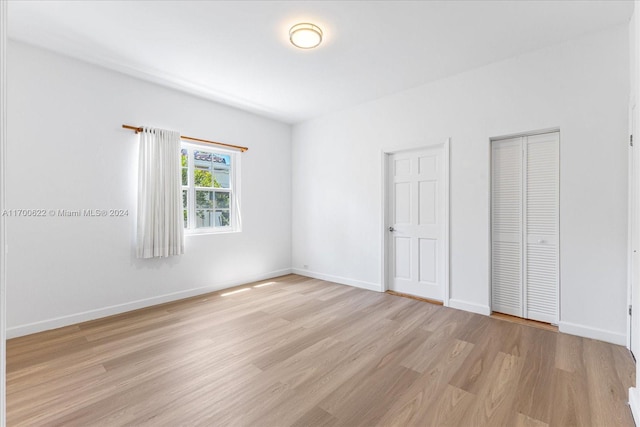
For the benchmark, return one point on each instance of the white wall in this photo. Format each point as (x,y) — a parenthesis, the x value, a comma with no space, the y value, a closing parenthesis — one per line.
(68,151)
(580,87)
(3,162)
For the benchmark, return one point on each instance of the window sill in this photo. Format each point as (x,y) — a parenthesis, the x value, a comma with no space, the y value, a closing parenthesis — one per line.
(208,232)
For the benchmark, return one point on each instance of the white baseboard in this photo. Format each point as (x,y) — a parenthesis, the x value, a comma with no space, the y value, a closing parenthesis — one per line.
(342,280)
(634,404)
(58,322)
(594,333)
(469,306)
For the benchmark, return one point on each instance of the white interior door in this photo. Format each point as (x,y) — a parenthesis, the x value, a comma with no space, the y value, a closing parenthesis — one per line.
(418,240)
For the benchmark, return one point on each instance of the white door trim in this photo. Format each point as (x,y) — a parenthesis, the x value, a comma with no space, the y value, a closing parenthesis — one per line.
(634,392)
(384,156)
(632,223)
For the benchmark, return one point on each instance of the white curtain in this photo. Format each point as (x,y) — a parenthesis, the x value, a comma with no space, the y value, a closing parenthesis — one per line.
(160,217)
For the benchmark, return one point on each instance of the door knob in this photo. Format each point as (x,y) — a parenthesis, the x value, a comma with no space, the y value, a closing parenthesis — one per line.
(392,229)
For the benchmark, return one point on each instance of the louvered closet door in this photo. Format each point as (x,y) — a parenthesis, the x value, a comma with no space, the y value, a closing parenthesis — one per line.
(541,225)
(506,227)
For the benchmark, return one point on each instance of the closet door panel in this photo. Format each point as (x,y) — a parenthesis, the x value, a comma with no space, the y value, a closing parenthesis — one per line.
(506,228)
(541,225)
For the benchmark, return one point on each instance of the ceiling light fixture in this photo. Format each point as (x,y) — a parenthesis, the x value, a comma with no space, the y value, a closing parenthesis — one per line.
(305,36)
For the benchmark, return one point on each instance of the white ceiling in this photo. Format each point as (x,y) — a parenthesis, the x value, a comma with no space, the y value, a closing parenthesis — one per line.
(238,52)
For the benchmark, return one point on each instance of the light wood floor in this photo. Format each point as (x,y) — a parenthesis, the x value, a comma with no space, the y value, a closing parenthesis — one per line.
(304,352)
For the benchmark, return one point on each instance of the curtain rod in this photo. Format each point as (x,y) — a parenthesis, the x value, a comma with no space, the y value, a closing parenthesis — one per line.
(138,129)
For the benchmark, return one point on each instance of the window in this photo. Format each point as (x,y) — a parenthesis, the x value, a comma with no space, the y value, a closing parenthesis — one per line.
(209,189)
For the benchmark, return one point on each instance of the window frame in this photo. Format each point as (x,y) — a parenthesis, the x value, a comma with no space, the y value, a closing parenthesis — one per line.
(233,190)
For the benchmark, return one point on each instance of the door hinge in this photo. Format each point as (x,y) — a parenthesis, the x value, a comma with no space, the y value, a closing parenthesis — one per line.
(631,140)
(629,310)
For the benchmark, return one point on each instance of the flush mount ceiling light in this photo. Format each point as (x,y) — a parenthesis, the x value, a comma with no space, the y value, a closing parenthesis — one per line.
(305,36)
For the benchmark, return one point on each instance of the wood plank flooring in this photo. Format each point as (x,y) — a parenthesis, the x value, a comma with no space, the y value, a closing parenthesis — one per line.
(305,352)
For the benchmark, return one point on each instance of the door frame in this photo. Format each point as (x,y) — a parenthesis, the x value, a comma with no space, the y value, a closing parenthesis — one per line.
(632,223)
(384,163)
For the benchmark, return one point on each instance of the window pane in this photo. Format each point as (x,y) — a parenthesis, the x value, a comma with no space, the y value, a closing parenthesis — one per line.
(221,166)
(222,200)
(185,170)
(222,218)
(211,169)
(185,195)
(204,218)
(202,178)
(202,175)
(204,199)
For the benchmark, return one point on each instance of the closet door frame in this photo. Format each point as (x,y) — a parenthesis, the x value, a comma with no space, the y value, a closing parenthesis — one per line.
(523,223)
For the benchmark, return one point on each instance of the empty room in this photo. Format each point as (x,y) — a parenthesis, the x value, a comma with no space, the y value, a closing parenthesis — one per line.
(319,213)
